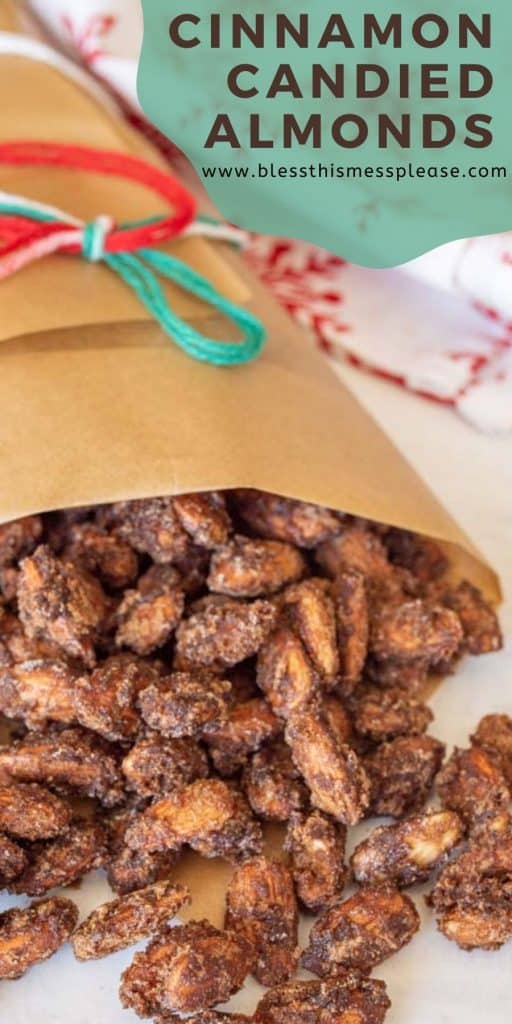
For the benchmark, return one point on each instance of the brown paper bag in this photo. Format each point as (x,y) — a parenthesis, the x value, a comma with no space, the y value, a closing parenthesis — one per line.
(98,405)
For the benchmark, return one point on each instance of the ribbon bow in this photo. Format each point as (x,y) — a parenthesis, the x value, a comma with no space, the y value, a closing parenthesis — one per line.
(30,230)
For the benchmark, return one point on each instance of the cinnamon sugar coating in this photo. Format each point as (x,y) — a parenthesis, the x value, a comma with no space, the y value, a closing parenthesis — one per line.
(156,764)
(34,933)
(185,703)
(254,568)
(272,783)
(71,761)
(62,603)
(176,672)
(40,691)
(345,999)
(221,632)
(285,672)
(261,907)
(332,770)
(408,852)
(361,932)
(106,700)
(316,844)
(472,896)
(208,815)
(103,553)
(384,714)
(64,860)
(185,970)
(247,727)
(311,612)
(128,919)
(13,860)
(147,616)
(29,811)
(286,519)
(473,784)
(494,733)
(19,538)
(402,773)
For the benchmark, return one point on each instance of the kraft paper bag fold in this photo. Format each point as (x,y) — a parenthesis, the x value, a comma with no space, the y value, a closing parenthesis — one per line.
(99,405)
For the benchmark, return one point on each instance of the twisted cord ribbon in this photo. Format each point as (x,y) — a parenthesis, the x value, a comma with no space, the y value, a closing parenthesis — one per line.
(30,230)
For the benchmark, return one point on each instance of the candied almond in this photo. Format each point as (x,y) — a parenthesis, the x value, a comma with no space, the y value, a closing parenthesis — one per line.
(384,714)
(208,815)
(285,673)
(332,770)
(472,895)
(272,784)
(261,907)
(361,932)
(472,784)
(316,845)
(31,812)
(151,526)
(39,691)
(287,519)
(402,774)
(353,625)
(103,553)
(246,728)
(185,703)
(186,969)
(311,612)
(127,869)
(19,538)
(125,921)
(105,700)
(355,547)
(16,646)
(73,759)
(222,632)
(480,626)
(147,617)
(246,567)
(414,629)
(204,517)
(31,934)
(64,860)
(494,733)
(344,999)
(62,603)
(156,765)
(421,555)
(130,870)
(408,852)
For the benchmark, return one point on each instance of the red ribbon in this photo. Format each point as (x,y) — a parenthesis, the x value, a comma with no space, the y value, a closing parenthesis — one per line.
(16,231)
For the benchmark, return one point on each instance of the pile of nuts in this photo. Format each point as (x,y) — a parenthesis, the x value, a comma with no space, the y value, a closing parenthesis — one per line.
(175,673)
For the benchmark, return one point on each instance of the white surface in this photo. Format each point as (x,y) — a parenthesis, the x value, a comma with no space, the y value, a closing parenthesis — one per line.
(431,980)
